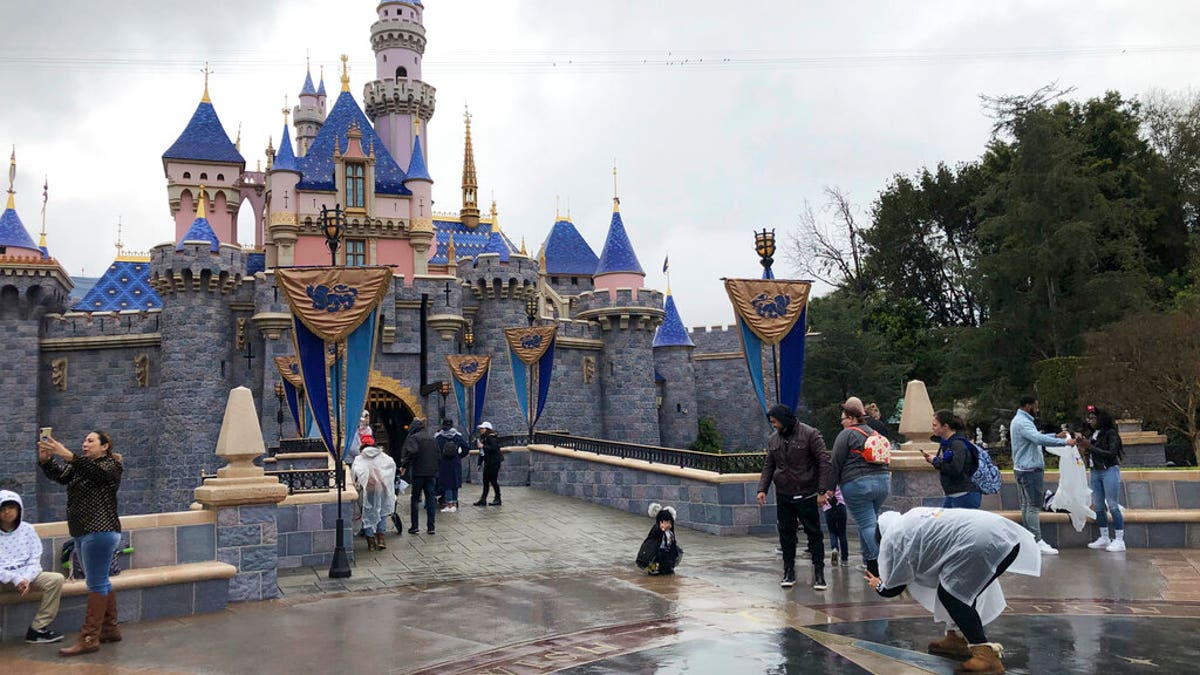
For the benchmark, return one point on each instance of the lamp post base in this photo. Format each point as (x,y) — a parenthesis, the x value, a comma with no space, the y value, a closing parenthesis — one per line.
(339,567)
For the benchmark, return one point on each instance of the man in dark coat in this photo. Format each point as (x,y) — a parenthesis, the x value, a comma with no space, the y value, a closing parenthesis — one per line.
(798,465)
(420,464)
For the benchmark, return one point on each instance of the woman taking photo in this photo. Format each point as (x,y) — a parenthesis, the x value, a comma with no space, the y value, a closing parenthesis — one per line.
(955,461)
(1104,453)
(865,485)
(92,480)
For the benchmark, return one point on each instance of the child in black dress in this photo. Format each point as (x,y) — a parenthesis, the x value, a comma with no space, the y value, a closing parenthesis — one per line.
(660,552)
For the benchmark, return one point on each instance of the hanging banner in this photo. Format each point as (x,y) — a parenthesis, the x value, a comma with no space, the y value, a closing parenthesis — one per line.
(468,370)
(528,347)
(772,313)
(335,314)
(293,383)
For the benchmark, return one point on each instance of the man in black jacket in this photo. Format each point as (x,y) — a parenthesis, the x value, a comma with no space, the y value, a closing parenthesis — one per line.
(798,464)
(420,463)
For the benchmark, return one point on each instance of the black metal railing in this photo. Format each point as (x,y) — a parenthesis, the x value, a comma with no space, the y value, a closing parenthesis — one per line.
(306,480)
(740,462)
(292,445)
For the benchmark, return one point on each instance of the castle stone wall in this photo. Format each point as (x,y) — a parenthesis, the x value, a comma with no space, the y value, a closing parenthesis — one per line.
(723,390)
(677,418)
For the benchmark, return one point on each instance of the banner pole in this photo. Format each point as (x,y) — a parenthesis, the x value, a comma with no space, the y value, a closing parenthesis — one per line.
(339,567)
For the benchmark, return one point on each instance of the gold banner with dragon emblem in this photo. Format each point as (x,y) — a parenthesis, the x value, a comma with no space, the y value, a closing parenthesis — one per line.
(770,307)
(530,343)
(289,368)
(468,368)
(333,301)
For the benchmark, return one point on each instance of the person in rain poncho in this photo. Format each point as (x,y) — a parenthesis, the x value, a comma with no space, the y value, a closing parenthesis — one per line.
(1073,494)
(375,477)
(949,561)
(364,429)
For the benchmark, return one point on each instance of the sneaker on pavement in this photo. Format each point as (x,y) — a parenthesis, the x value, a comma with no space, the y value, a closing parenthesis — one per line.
(39,637)
(819,581)
(833,559)
(1102,542)
(1046,549)
(1116,546)
(789,579)
(445,509)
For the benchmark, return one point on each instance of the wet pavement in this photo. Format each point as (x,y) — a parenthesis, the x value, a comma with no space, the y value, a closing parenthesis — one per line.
(546,584)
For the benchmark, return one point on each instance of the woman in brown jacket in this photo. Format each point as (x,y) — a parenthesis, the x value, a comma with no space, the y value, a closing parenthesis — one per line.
(92,480)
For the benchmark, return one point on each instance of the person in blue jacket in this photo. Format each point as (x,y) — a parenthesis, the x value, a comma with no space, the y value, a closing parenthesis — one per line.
(1029,466)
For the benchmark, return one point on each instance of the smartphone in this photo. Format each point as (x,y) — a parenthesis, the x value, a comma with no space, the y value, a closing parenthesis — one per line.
(45,433)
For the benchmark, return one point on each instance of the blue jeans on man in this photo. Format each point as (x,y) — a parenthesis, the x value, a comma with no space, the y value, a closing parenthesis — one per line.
(968,500)
(864,500)
(1030,495)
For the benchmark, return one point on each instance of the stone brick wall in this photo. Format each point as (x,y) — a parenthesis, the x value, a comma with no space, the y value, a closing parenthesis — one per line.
(677,418)
(724,392)
(18,435)
(307,532)
(247,538)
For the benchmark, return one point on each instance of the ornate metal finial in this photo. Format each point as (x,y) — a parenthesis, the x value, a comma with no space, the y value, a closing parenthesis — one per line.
(207,72)
(416,129)
(616,199)
(120,246)
(286,111)
(12,178)
(200,209)
(523,251)
(557,213)
(450,254)
(467,114)
(238,143)
(322,67)
(45,200)
(345,73)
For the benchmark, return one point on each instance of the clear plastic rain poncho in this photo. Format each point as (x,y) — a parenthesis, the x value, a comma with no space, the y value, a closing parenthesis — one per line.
(1073,494)
(375,477)
(959,549)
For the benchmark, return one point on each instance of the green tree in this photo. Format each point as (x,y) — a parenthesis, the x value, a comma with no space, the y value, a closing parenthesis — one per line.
(708,439)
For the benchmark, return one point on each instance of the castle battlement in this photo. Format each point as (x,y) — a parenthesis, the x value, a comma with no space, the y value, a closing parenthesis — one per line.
(585,330)
(196,267)
(624,300)
(487,277)
(102,324)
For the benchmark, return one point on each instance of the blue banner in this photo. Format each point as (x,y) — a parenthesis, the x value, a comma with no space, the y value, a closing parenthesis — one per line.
(752,348)
(520,383)
(293,402)
(791,363)
(545,370)
(460,397)
(480,397)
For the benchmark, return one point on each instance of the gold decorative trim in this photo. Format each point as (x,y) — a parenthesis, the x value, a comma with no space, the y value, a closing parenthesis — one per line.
(100,342)
(718,356)
(393,387)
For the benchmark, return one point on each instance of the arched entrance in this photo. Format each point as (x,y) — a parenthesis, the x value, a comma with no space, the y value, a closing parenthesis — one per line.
(393,407)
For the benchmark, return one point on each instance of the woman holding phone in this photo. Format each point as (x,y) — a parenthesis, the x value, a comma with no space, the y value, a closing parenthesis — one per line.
(92,480)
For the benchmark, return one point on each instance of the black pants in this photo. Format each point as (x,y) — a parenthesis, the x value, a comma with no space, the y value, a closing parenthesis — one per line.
(964,615)
(792,512)
(491,478)
(423,485)
(835,521)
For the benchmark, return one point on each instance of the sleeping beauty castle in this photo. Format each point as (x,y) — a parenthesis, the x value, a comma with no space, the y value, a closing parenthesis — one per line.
(151,351)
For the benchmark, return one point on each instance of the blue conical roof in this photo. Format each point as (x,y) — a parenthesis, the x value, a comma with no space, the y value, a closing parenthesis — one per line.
(204,139)
(307,89)
(496,244)
(13,232)
(567,252)
(201,231)
(317,163)
(285,159)
(321,87)
(125,286)
(618,255)
(672,333)
(416,166)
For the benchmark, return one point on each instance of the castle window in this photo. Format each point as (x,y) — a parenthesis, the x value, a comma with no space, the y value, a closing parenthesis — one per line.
(356,252)
(554,280)
(220,176)
(355,188)
(385,58)
(203,176)
(574,281)
(401,71)
(187,175)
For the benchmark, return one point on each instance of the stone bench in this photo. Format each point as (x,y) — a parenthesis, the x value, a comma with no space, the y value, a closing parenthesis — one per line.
(1144,528)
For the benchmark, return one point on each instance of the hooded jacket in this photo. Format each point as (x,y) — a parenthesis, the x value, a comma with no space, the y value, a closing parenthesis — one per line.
(420,452)
(20,549)
(797,461)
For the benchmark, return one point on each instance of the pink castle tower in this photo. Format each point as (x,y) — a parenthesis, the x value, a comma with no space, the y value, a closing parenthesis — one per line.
(398,98)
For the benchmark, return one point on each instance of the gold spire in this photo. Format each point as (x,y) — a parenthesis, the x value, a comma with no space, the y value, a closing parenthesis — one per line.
(12,178)
(237,144)
(345,73)
(557,216)
(616,199)
(45,200)
(207,72)
(200,211)
(523,251)
(286,111)
(450,250)
(469,213)
(120,246)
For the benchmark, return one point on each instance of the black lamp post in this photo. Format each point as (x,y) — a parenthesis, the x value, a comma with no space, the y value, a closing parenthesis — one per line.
(531,311)
(444,390)
(469,338)
(764,245)
(333,224)
(279,393)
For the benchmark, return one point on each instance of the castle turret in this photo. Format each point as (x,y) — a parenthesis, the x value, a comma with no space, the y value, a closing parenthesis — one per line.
(196,279)
(469,214)
(309,114)
(676,378)
(204,154)
(417,180)
(618,266)
(282,224)
(398,102)
(570,261)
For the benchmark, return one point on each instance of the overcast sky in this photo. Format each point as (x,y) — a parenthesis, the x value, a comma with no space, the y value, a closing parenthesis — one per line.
(722,117)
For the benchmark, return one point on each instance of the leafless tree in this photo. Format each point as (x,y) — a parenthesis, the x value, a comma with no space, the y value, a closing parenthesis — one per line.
(828,247)
(1006,109)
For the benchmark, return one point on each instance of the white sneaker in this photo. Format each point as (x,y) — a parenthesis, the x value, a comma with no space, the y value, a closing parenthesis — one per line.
(453,509)
(445,509)
(1046,549)
(1102,542)
(1116,546)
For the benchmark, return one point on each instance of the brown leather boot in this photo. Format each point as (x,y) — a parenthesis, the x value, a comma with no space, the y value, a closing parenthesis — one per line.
(89,635)
(371,545)
(379,542)
(953,645)
(985,660)
(109,631)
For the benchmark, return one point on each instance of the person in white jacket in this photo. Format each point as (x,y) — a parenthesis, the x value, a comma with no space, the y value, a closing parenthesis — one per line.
(21,568)
(375,477)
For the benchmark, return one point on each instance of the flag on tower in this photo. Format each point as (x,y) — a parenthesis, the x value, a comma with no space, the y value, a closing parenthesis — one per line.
(666,263)
(45,194)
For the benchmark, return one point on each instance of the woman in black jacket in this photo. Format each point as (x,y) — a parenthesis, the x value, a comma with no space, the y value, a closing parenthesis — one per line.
(1104,453)
(490,458)
(92,480)
(955,461)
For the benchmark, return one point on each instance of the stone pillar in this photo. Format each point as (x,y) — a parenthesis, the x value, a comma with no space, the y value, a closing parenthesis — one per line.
(914,481)
(245,500)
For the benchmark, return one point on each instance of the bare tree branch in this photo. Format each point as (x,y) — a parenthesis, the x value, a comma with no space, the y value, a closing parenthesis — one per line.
(828,249)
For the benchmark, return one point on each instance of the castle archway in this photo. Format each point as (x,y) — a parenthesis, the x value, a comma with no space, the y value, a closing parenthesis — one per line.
(393,407)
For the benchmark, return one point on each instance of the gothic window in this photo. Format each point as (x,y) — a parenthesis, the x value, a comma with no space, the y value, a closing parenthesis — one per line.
(385,55)
(220,177)
(355,190)
(401,72)
(356,252)
(203,176)
(574,281)
(554,280)
(187,175)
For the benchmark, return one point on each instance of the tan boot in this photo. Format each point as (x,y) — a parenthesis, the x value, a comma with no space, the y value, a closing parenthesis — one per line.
(985,660)
(89,635)
(953,645)
(379,542)
(371,545)
(109,631)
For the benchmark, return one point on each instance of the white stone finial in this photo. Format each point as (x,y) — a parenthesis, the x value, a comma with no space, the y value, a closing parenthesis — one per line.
(916,420)
(239,443)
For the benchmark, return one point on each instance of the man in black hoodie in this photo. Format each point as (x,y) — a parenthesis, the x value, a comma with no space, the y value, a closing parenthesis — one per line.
(420,463)
(798,464)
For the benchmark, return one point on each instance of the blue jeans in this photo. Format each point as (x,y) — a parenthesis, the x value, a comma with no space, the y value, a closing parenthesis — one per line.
(864,500)
(372,529)
(451,495)
(971,500)
(96,551)
(426,485)
(1030,494)
(1106,489)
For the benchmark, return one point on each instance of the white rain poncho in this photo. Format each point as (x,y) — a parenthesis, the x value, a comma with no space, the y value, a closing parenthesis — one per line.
(375,477)
(959,549)
(1073,494)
